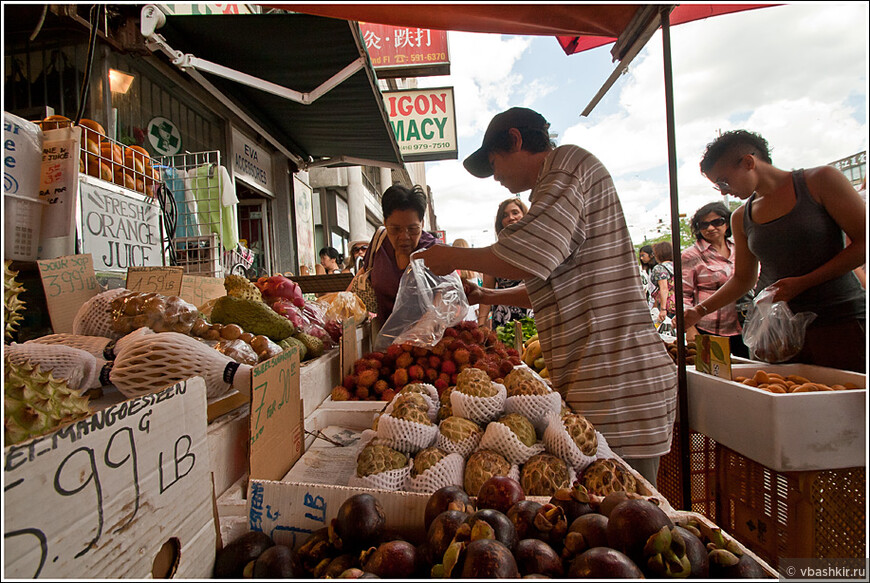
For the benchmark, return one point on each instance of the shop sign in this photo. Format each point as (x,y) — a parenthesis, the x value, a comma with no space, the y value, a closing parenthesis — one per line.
(424,122)
(251,163)
(164,136)
(401,51)
(118,230)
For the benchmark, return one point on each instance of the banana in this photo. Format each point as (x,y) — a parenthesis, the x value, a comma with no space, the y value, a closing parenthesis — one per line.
(532,352)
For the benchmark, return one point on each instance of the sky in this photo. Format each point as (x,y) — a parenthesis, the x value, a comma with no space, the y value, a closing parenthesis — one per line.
(796,74)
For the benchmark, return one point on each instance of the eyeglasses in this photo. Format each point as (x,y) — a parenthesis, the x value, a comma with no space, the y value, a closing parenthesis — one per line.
(714,223)
(412,230)
(722,187)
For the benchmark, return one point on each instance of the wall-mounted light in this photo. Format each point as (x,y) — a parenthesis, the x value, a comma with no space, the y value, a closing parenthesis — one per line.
(119,82)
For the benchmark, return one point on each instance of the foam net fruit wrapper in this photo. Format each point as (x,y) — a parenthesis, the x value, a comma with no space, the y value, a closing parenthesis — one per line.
(535,408)
(464,448)
(80,369)
(558,442)
(152,362)
(479,409)
(447,472)
(94,318)
(391,480)
(499,438)
(405,436)
(99,346)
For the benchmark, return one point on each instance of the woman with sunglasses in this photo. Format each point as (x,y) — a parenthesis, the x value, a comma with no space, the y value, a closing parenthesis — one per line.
(794,225)
(355,258)
(707,265)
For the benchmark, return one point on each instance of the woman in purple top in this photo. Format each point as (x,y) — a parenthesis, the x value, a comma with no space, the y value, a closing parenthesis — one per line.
(404,210)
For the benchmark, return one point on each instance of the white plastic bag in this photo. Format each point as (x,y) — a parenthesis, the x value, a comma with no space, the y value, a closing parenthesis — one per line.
(772,332)
(426,305)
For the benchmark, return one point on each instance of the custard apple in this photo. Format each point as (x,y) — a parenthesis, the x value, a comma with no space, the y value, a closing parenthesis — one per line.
(522,428)
(411,412)
(458,429)
(528,387)
(413,399)
(605,476)
(426,459)
(476,383)
(481,466)
(582,432)
(543,474)
(374,459)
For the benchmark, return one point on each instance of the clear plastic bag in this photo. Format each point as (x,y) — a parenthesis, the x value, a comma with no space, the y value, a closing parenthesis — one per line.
(426,305)
(772,332)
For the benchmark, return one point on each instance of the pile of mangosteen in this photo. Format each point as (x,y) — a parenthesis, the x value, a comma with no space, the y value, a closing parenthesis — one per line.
(500,534)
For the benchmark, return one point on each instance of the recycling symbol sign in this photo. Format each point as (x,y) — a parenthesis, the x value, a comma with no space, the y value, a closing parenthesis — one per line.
(163,136)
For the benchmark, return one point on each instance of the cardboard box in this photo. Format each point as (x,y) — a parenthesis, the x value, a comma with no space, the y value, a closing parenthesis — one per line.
(124,492)
(784,432)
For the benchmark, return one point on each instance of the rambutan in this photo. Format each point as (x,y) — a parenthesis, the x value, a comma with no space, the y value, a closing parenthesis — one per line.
(349,382)
(394,351)
(466,336)
(476,352)
(362,393)
(388,395)
(400,378)
(405,360)
(512,352)
(462,356)
(431,374)
(505,367)
(451,333)
(380,386)
(340,393)
(479,336)
(445,378)
(515,360)
(416,372)
(435,361)
(420,351)
(367,378)
(440,385)
(448,367)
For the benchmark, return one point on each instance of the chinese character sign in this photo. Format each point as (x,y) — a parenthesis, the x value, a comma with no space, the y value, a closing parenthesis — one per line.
(394,50)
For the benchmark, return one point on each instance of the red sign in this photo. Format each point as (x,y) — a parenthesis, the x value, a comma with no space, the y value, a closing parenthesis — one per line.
(399,51)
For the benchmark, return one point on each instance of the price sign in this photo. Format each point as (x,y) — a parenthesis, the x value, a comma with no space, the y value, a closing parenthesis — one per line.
(161,280)
(100,497)
(713,355)
(197,289)
(68,282)
(348,346)
(276,418)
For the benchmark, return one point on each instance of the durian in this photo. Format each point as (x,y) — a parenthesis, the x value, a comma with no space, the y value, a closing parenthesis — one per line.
(12,306)
(34,402)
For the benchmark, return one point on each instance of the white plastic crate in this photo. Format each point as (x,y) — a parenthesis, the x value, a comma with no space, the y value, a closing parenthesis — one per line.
(22,222)
(789,432)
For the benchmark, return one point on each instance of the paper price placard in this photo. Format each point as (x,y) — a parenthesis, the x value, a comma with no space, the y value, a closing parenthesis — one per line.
(713,355)
(161,280)
(198,289)
(68,282)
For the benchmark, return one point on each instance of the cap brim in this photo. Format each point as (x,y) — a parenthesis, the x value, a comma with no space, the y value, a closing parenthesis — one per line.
(478,164)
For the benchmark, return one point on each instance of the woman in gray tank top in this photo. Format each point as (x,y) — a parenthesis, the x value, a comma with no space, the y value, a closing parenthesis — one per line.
(794,225)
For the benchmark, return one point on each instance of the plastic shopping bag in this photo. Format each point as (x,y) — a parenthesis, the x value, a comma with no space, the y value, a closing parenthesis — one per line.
(426,305)
(771,332)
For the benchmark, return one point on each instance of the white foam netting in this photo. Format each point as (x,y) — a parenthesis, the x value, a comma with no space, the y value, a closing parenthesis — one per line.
(80,369)
(603,451)
(151,362)
(429,389)
(432,405)
(479,409)
(499,438)
(95,345)
(558,442)
(94,318)
(405,436)
(463,448)
(391,480)
(535,408)
(447,472)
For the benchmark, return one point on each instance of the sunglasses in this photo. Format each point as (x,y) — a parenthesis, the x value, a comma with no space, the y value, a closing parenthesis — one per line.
(714,223)
(359,248)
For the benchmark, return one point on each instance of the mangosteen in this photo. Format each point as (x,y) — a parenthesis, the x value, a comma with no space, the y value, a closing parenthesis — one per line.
(277,562)
(630,525)
(535,557)
(550,522)
(499,493)
(443,529)
(586,532)
(316,549)
(360,521)
(230,561)
(696,553)
(611,501)
(566,498)
(664,555)
(442,499)
(522,514)
(336,566)
(504,530)
(486,559)
(357,573)
(727,565)
(396,559)
(603,563)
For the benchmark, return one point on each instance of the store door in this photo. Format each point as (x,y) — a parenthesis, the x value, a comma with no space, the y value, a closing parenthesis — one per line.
(254,232)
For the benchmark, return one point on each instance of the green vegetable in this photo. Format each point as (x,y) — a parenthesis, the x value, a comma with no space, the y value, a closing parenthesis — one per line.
(506,333)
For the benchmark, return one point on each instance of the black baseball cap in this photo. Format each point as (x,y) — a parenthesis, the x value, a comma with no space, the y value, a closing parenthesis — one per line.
(516,117)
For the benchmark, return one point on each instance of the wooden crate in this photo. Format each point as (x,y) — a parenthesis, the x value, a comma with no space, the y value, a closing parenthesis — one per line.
(816,514)
(702,463)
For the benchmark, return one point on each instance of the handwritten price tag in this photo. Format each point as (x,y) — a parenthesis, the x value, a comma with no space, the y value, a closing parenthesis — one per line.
(68,282)
(276,416)
(197,289)
(161,280)
(101,496)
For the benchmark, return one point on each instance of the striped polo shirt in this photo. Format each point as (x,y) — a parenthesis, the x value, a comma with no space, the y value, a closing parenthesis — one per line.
(601,350)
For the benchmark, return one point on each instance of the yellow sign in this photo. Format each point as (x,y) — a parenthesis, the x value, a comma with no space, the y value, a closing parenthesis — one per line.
(713,355)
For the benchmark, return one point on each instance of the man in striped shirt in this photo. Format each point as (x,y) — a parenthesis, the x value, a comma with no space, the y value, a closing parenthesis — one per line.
(573,252)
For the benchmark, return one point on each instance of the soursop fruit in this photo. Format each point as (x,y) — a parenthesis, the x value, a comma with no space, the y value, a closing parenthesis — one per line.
(582,432)
(375,459)
(481,466)
(427,458)
(476,383)
(605,476)
(12,305)
(314,345)
(411,412)
(458,429)
(35,403)
(543,474)
(242,287)
(522,428)
(290,342)
(254,317)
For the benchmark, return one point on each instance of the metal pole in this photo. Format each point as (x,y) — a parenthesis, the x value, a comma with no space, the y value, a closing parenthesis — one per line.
(682,387)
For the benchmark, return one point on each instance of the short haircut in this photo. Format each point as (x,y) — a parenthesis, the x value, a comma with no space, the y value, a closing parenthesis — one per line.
(503,205)
(663,251)
(401,198)
(331,252)
(717,207)
(737,143)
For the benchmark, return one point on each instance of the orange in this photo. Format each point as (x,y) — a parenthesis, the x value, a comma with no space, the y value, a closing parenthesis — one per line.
(91,127)
(134,160)
(106,172)
(111,152)
(54,122)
